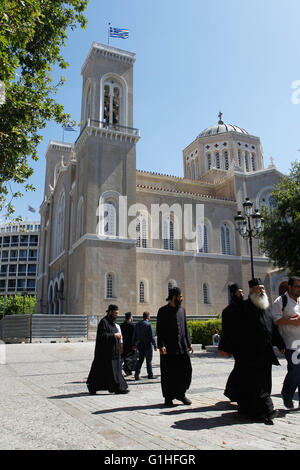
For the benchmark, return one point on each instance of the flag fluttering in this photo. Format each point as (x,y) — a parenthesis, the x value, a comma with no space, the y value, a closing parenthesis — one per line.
(118,33)
(31,209)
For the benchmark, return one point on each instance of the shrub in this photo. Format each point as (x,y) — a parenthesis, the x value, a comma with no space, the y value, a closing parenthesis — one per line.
(201,332)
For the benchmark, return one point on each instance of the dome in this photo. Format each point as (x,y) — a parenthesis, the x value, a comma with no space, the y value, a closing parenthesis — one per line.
(222,128)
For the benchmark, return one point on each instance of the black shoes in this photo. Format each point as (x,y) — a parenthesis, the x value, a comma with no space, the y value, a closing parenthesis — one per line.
(169,402)
(184,400)
(121,392)
(91,391)
(269,418)
(289,404)
(136,377)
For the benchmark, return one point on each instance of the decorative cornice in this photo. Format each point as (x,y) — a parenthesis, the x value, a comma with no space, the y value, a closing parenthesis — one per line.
(147,188)
(109,52)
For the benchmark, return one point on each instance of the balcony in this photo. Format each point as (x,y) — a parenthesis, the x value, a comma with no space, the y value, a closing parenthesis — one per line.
(112,130)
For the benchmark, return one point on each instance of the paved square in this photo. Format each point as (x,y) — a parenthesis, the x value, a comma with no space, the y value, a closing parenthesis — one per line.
(45,405)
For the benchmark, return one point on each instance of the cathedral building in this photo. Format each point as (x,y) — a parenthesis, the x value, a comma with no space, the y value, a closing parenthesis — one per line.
(112,234)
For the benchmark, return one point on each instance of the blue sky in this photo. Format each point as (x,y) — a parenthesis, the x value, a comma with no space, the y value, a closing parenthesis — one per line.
(193,59)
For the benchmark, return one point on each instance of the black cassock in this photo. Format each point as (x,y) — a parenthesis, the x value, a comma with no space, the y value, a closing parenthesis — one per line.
(229,320)
(129,356)
(172,333)
(106,372)
(252,346)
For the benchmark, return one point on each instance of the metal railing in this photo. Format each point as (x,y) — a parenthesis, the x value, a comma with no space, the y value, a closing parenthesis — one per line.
(110,127)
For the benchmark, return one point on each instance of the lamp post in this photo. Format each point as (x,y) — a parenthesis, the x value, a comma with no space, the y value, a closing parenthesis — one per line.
(249,226)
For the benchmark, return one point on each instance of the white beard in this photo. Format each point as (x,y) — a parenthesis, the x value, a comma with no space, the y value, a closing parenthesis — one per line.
(260,301)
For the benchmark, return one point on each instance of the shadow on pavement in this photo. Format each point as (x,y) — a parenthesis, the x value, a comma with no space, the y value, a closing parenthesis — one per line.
(74,395)
(130,408)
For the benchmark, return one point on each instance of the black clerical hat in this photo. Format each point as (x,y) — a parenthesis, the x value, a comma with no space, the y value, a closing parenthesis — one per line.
(255,282)
(128,315)
(174,291)
(112,308)
(233,288)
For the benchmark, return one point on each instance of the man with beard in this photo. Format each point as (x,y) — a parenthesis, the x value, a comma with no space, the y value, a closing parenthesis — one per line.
(254,355)
(230,321)
(174,344)
(286,314)
(106,371)
(128,355)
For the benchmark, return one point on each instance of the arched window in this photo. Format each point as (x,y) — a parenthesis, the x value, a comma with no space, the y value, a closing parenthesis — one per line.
(226,161)
(253,161)
(142,292)
(50,299)
(168,234)
(109,294)
(196,168)
(247,168)
(141,232)
(218,163)
(226,240)
(205,293)
(240,158)
(208,161)
(265,199)
(202,238)
(110,219)
(113,101)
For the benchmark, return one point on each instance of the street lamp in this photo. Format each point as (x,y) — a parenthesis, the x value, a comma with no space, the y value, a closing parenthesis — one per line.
(249,226)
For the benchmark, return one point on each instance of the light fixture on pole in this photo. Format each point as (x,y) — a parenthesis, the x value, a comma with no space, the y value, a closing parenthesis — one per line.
(249,226)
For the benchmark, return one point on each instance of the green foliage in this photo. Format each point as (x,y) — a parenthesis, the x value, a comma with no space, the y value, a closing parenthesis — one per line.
(32,33)
(281,235)
(14,305)
(201,332)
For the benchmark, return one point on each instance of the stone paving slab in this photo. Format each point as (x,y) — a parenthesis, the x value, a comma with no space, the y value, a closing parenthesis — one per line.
(45,405)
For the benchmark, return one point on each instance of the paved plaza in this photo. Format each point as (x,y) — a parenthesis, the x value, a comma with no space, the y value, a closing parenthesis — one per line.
(45,405)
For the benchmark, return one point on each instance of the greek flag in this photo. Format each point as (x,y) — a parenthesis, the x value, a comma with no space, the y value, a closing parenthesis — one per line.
(69,128)
(118,33)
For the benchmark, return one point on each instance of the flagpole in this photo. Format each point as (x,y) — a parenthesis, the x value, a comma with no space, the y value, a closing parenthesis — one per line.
(108,34)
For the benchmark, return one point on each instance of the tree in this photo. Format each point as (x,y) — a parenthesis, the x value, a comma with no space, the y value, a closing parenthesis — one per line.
(32,33)
(13,304)
(281,235)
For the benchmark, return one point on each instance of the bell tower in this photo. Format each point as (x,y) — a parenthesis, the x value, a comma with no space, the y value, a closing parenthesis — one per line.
(105,178)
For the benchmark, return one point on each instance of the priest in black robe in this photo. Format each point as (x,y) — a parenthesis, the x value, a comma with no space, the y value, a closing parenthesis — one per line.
(129,356)
(230,321)
(174,344)
(254,337)
(106,369)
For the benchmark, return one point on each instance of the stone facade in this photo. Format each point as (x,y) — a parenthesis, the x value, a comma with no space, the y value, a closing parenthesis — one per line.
(98,242)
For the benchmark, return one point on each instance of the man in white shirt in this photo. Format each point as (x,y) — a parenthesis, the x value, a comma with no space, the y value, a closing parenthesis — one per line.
(286,314)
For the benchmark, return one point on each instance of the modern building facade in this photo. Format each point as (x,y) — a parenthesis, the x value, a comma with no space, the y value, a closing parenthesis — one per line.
(19,243)
(112,234)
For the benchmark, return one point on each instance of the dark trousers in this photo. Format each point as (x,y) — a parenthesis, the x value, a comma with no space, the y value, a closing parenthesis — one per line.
(144,351)
(292,379)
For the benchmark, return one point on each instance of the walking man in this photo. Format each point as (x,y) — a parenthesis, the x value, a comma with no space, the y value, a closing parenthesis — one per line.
(128,356)
(174,344)
(253,341)
(106,369)
(230,321)
(286,314)
(144,342)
